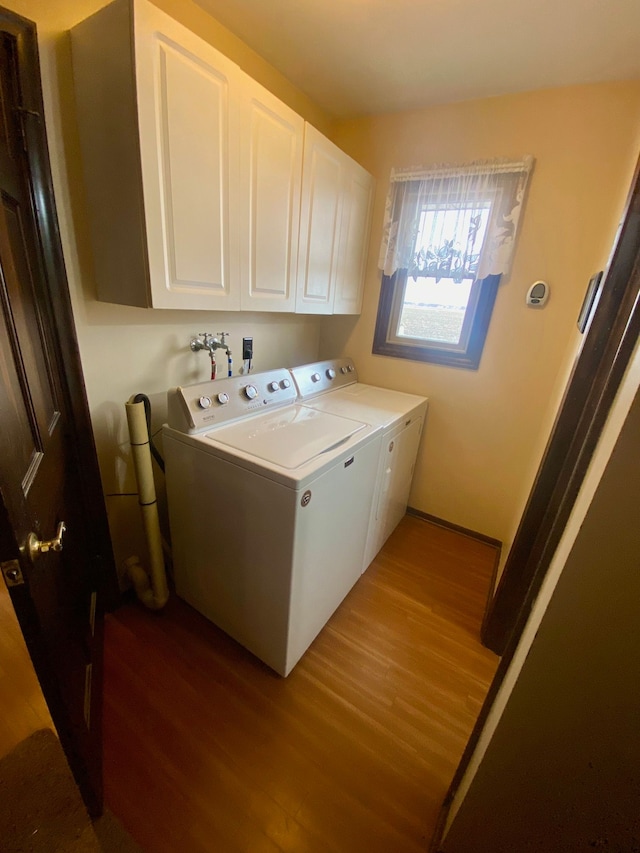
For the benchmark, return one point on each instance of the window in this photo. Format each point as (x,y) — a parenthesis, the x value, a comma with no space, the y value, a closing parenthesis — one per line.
(449,235)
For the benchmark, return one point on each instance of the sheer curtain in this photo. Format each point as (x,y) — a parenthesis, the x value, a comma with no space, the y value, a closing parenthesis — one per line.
(454,220)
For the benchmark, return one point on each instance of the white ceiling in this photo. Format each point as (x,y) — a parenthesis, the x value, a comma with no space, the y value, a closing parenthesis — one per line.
(357,57)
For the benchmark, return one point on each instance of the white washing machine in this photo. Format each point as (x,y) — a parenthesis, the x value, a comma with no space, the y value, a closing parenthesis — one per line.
(333,387)
(292,487)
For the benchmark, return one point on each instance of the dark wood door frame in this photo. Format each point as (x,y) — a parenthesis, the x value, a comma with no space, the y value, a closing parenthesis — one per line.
(53,300)
(600,365)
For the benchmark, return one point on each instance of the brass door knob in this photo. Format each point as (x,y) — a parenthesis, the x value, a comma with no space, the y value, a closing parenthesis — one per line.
(35,546)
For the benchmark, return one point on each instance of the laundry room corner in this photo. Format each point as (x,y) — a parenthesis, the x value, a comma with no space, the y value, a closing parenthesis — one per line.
(126,350)
(487,428)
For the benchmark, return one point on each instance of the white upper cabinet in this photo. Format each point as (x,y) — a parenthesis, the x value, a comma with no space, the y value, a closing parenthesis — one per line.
(320,219)
(203,190)
(185,91)
(335,218)
(159,156)
(271,139)
(357,205)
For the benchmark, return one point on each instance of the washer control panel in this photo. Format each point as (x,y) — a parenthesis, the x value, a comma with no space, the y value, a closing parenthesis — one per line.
(195,408)
(321,376)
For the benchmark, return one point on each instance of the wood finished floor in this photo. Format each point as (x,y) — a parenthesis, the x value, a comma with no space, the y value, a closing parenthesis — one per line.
(207,750)
(22,707)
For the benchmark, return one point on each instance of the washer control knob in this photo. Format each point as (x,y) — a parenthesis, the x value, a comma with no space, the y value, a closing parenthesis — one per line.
(250,392)
(273,386)
(285,383)
(222,398)
(349,368)
(343,369)
(204,402)
(315,377)
(331,374)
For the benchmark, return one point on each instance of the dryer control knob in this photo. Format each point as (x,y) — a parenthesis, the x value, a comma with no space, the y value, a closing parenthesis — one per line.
(273,386)
(250,392)
(204,402)
(331,374)
(349,368)
(343,369)
(222,398)
(315,377)
(285,383)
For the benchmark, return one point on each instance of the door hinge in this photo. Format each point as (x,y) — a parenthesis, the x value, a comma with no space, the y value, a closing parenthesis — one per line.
(88,673)
(23,113)
(92,612)
(12,573)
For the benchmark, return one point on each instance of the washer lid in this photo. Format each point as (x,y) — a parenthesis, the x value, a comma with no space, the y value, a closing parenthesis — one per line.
(377,406)
(288,437)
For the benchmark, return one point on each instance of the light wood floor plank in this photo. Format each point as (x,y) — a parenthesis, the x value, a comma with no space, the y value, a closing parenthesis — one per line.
(23,709)
(207,750)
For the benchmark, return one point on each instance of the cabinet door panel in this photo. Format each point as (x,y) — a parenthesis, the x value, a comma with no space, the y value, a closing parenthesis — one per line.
(320,221)
(271,172)
(354,240)
(184,124)
(193,120)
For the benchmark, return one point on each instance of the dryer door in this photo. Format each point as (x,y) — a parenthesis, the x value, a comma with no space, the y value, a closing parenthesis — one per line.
(394,484)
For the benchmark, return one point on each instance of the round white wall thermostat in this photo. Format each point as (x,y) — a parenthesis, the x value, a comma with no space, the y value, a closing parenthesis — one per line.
(538,293)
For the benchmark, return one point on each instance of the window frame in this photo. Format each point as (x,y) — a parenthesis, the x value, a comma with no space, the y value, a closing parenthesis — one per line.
(467,354)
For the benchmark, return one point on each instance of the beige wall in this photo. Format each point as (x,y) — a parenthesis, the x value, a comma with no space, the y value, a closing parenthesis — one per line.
(128,350)
(486,429)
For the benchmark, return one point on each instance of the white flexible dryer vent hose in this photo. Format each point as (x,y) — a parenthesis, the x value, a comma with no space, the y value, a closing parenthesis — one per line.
(151,588)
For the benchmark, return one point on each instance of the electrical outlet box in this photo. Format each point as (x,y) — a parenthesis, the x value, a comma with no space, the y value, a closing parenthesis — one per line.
(247,348)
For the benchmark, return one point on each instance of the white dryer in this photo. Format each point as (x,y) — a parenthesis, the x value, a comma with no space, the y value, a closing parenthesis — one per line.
(293,486)
(332,387)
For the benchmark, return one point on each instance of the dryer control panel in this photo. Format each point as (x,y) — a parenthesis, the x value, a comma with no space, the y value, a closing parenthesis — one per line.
(321,376)
(195,408)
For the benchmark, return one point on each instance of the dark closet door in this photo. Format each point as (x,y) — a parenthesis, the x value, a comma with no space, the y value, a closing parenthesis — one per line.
(54,548)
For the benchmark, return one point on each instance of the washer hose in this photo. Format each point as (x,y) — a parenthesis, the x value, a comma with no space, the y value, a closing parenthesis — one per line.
(151,587)
(142,398)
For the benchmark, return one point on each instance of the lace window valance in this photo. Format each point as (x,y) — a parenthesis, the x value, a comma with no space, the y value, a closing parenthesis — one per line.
(454,221)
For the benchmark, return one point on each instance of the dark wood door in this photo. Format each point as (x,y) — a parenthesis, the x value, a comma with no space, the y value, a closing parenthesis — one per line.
(52,538)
